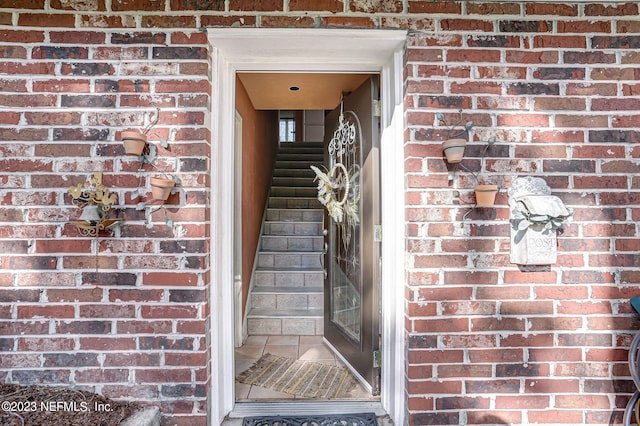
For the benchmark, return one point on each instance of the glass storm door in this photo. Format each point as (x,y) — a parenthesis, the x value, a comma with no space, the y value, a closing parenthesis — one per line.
(352,258)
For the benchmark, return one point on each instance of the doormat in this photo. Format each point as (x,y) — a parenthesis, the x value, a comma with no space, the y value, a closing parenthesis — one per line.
(364,419)
(303,379)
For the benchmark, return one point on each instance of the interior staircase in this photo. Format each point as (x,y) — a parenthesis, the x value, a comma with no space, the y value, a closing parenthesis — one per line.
(287,286)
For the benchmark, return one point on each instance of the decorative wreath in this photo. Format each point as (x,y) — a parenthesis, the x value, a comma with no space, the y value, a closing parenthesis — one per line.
(330,184)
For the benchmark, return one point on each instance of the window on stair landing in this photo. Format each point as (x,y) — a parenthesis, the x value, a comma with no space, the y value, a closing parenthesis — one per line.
(287,126)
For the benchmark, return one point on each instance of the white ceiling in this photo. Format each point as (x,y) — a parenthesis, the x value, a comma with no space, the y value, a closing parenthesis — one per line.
(317,90)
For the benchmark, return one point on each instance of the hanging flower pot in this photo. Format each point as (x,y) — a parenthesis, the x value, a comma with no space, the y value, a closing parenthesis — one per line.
(134,142)
(454,150)
(161,188)
(485,195)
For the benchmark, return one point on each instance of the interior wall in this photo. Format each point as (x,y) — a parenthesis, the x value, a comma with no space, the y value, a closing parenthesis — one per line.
(259,147)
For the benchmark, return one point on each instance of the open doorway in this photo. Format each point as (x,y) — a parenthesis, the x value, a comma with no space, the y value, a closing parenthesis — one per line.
(289,303)
(308,51)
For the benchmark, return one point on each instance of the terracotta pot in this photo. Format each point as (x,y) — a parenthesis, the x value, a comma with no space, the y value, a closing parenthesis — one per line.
(161,188)
(454,149)
(134,142)
(485,195)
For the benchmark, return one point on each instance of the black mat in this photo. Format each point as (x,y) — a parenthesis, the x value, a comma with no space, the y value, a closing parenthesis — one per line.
(361,419)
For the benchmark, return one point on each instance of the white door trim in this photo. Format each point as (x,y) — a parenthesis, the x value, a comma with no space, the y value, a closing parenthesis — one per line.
(307,50)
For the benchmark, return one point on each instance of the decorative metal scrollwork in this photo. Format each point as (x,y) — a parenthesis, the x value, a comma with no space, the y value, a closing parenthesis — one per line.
(96,202)
(339,186)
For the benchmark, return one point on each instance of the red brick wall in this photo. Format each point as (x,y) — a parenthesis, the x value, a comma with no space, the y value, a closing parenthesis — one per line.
(487,343)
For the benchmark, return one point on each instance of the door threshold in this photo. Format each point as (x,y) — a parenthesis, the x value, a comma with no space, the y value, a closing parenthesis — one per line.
(293,408)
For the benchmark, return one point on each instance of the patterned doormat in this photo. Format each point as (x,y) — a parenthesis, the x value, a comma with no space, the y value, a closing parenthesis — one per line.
(363,419)
(303,379)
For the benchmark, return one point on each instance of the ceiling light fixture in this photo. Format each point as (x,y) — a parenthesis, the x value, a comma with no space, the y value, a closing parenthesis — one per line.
(294,88)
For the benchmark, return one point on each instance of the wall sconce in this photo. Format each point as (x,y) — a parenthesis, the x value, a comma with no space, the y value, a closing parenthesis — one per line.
(96,202)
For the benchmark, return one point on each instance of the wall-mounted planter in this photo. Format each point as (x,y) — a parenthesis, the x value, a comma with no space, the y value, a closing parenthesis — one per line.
(454,150)
(485,195)
(134,142)
(161,188)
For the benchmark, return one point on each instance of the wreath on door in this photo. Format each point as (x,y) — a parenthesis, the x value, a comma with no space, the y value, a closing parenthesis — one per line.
(338,191)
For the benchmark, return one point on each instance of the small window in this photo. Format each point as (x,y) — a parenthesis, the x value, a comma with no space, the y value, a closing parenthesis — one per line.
(287,126)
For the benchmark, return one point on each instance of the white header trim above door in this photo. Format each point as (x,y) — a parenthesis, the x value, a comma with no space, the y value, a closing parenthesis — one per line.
(307,50)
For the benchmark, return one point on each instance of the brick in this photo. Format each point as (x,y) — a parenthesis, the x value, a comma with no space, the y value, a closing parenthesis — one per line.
(131,359)
(76,359)
(332,6)
(46,311)
(27,377)
(461,403)
(80,6)
(287,21)
(515,402)
(144,38)
(493,9)
(347,21)
(160,311)
(46,20)
(58,344)
(165,343)
(164,21)
(145,327)
(492,386)
(551,9)
(84,327)
(138,392)
(419,6)
(163,375)
(137,5)
(621,42)
(107,343)
(207,5)
(611,10)
(110,375)
(466,25)
(256,5)
(228,21)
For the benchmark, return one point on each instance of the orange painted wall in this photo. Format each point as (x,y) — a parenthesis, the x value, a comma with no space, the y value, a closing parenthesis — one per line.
(259,146)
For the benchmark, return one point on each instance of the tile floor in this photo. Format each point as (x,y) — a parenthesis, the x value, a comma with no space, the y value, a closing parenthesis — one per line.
(300,347)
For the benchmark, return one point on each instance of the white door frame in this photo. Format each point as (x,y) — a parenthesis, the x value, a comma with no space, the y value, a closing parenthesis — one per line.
(307,50)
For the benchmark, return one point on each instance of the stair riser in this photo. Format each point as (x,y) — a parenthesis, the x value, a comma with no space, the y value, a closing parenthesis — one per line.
(293,228)
(306,173)
(283,243)
(287,301)
(294,261)
(285,326)
(289,279)
(284,191)
(291,215)
(294,203)
(298,165)
(295,182)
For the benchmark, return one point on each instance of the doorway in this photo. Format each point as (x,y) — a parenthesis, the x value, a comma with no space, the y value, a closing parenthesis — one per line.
(308,50)
(294,278)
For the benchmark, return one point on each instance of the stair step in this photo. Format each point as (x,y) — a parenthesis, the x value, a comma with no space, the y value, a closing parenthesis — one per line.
(295,181)
(292,228)
(272,322)
(292,243)
(294,202)
(285,298)
(300,156)
(294,215)
(296,164)
(280,277)
(291,260)
(293,191)
(307,173)
(295,146)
